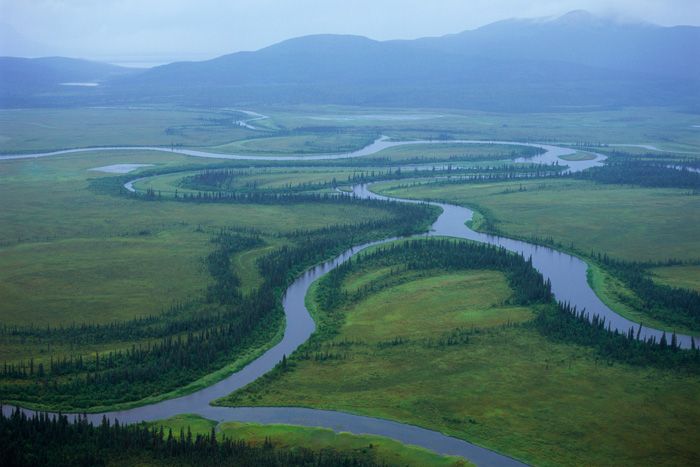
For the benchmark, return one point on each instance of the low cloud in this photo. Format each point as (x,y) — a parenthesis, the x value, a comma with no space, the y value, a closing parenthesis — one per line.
(167,30)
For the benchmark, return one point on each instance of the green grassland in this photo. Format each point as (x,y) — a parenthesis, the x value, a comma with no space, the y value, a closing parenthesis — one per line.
(309,143)
(92,257)
(98,279)
(49,199)
(294,130)
(72,253)
(685,276)
(254,179)
(508,388)
(381,449)
(27,130)
(666,128)
(445,151)
(455,295)
(196,424)
(626,222)
(631,223)
(579,156)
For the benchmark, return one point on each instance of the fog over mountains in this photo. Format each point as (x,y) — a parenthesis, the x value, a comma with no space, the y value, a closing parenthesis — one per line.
(575,61)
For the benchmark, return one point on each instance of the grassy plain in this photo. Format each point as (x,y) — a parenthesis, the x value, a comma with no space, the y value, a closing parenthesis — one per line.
(378,448)
(258,179)
(631,223)
(68,254)
(625,222)
(197,424)
(381,449)
(71,254)
(97,280)
(23,130)
(685,276)
(579,156)
(664,127)
(444,151)
(508,388)
(308,143)
(92,257)
(33,130)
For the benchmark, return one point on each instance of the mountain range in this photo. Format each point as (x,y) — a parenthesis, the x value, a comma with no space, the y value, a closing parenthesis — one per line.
(574,61)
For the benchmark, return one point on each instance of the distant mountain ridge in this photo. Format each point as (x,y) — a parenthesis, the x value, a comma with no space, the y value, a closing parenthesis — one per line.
(577,60)
(582,38)
(56,70)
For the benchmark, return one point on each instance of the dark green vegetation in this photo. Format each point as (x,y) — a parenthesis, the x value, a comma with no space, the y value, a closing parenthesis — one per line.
(666,303)
(646,174)
(441,334)
(237,185)
(42,440)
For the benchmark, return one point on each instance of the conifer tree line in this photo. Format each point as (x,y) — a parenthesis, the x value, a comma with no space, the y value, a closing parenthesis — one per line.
(558,321)
(169,351)
(671,304)
(227,180)
(527,284)
(45,440)
(522,151)
(661,158)
(657,174)
(566,324)
(522,173)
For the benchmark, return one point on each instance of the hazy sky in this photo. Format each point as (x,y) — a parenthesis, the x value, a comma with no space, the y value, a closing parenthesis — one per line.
(155,31)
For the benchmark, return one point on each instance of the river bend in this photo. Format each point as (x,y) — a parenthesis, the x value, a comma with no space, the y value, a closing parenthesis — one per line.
(569,283)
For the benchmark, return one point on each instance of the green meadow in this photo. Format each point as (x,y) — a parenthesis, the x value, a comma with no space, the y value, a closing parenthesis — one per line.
(508,388)
(687,277)
(72,252)
(72,255)
(626,222)
(330,128)
(380,449)
(641,224)
(98,258)
(664,127)
(34,130)
(299,144)
(446,151)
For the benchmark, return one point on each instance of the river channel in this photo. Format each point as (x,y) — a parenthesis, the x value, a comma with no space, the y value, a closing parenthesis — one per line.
(566,273)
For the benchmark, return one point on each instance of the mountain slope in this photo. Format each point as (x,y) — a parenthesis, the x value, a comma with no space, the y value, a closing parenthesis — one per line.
(577,60)
(52,71)
(579,37)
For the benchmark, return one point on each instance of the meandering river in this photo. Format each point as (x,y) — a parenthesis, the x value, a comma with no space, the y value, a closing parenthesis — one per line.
(550,155)
(567,274)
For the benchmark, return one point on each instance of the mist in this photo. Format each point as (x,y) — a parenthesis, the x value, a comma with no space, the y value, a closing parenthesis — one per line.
(146,33)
